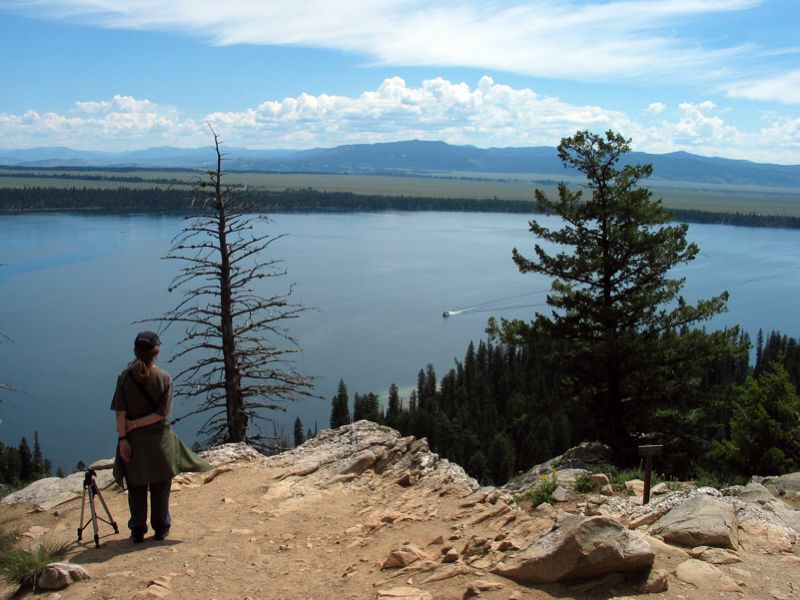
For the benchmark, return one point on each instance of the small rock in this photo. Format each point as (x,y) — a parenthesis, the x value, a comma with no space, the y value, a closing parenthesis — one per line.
(437,541)
(655,583)
(507,546)
(470,592)
(715,556)
(163,581)
(659,489)
(635,487)
(486,586)
(705,576)
(450,556)
(405,480)
(403,556)
(156,591)
(482,563)
(57,576)
(598,480)
(227,500)
(403,593)
(562,494)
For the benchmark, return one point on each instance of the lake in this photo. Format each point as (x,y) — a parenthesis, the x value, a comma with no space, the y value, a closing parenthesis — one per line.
(376,283)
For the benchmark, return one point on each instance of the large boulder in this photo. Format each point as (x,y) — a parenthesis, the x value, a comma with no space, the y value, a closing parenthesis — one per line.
(700,521)
(579,548)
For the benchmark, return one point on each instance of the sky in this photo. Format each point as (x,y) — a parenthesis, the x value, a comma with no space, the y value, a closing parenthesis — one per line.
(712,77)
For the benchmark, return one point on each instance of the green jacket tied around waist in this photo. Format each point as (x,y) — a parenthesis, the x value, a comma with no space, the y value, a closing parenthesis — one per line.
(157,454)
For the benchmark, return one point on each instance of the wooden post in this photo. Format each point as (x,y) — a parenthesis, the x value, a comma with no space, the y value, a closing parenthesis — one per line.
(648,452)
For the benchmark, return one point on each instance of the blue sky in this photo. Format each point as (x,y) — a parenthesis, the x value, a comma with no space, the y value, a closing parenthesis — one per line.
(714,77)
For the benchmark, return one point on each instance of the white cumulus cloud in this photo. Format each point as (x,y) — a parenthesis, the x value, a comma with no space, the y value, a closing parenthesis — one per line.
(486,114)
(489,114)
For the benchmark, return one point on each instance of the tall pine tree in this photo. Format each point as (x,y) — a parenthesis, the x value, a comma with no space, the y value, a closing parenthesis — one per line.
(299,437)
(614,304)
(340,407)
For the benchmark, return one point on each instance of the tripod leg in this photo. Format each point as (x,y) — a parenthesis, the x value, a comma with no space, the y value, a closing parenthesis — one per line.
(94,518)
(80,524)
(111,520)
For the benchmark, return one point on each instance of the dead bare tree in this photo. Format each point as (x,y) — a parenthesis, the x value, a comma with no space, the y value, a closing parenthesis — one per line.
(240,347)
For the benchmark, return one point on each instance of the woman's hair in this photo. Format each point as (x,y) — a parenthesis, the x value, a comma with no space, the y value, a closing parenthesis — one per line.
(142,365)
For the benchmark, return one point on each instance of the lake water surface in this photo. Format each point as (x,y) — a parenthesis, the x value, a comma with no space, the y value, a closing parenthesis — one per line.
(73,285)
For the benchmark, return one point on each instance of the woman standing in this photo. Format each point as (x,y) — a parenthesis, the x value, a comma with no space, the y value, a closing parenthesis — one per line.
(149,454)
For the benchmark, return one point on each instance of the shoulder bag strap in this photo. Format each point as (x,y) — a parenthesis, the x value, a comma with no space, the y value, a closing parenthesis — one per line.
(146,394)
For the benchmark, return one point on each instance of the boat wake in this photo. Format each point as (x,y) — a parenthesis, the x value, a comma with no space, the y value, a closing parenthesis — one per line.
(498,305)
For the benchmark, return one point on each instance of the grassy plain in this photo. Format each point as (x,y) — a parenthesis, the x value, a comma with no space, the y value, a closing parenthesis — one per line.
(679,195)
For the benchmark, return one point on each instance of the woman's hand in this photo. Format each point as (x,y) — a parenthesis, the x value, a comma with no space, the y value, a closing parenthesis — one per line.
(130,425)
(125,450)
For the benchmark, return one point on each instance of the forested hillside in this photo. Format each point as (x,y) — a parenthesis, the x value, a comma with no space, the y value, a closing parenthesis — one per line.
(161,199)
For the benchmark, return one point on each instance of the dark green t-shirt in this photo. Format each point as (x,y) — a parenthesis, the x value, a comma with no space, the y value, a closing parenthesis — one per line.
(131,398)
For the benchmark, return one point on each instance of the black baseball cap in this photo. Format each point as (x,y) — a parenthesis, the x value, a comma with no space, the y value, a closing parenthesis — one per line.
(147,339)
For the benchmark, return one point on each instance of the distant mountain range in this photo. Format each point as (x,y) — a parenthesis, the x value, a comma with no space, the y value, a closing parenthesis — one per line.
(407,158)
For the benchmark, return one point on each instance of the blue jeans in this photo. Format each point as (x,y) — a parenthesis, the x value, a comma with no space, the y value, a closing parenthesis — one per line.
(160,520)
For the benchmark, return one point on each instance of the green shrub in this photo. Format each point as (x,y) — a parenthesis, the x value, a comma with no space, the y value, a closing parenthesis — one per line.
(7,539)
(24,566)
(584,484)
(541,493)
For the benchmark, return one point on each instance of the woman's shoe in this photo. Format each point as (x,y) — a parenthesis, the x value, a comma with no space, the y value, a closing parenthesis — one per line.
(161,535)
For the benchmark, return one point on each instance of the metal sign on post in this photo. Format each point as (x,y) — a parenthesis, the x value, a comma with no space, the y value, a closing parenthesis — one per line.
(648,452)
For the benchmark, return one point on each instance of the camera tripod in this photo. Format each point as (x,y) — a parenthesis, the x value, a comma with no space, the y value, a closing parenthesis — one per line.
(90,487)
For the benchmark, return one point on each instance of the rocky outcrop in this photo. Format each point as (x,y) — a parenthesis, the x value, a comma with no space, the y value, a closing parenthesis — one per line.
(346,453)
(419,524)
(583,457)
(229,453)
(579,548)
(49,492)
